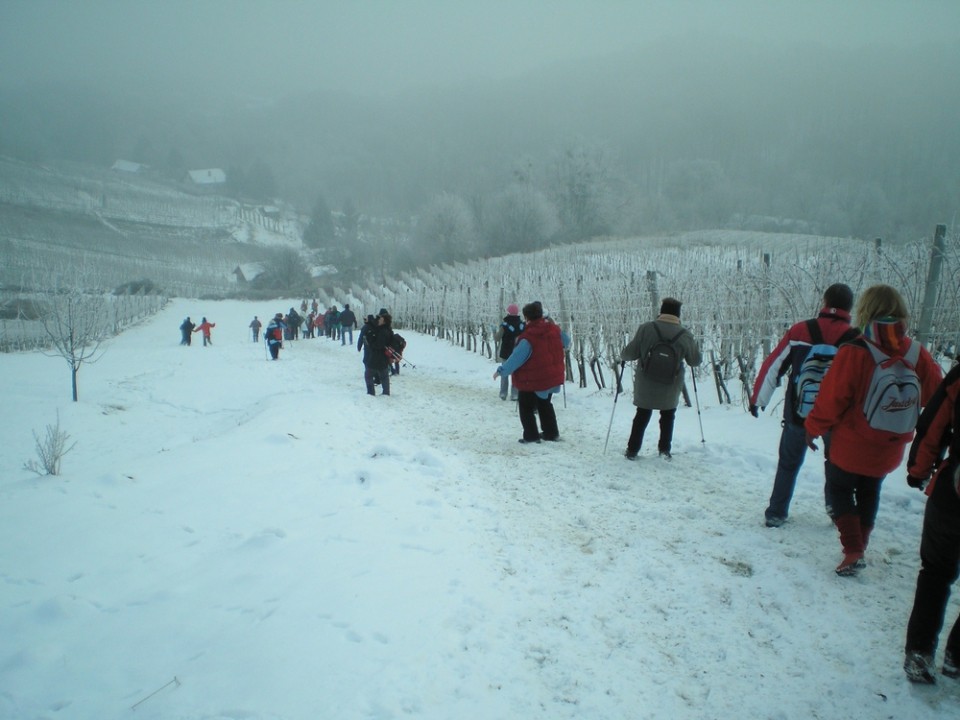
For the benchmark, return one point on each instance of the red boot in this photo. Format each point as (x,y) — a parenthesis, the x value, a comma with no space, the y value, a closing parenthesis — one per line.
(851,538)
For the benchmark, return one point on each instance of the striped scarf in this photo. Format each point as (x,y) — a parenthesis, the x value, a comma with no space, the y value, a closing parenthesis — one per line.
(887,333)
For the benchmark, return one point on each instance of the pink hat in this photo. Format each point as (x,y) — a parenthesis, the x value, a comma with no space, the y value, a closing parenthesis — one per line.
(512,309)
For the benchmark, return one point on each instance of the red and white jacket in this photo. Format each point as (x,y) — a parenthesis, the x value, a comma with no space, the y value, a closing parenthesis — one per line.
(833,324)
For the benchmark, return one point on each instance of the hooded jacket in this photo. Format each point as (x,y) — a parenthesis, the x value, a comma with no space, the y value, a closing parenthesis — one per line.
(854,445)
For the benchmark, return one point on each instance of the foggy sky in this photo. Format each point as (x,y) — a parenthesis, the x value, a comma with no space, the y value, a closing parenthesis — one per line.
(377,47)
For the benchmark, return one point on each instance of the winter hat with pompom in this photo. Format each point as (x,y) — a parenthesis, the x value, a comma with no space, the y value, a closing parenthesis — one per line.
(512,309)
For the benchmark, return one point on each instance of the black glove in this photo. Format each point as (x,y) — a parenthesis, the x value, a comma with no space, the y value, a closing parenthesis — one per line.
(916,482)
(755,411)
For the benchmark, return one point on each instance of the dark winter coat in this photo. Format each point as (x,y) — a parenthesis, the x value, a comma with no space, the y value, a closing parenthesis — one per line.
(377,339)
(647,393)
(348,319)
(270,333)
(510,327)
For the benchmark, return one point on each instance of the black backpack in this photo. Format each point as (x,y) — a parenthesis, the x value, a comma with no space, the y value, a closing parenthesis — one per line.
(398,343)
(663,360)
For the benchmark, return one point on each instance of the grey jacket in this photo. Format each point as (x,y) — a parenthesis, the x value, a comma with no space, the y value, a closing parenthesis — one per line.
(646,393)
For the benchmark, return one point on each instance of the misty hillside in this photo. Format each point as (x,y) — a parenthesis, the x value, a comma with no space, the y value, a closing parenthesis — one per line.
(835,141)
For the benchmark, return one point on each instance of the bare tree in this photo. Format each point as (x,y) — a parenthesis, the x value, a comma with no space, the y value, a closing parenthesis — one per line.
(76,324)
(523,219)
(447,229)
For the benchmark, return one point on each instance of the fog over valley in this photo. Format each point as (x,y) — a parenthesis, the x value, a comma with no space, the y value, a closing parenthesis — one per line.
(607,117)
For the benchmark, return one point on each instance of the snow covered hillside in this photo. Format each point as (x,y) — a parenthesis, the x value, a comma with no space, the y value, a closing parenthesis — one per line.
(238,538)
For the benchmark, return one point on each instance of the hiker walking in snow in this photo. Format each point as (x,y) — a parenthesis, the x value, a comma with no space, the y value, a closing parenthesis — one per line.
(805,350)
(186,331)
(205,327)
(274,335)
(938,431)
(662,346)
(348,321)
(869,402)
(377,341)
(510,327)
(292,322)
(255,326)
(537,367)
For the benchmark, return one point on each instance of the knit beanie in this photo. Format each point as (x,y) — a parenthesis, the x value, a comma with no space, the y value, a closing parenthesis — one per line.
(512,309)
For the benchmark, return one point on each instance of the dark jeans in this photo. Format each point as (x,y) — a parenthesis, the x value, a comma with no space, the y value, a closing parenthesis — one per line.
(940,566)
(368,376)
(848,493)
(640,422)
(274,350)
(529,405)
(793,450)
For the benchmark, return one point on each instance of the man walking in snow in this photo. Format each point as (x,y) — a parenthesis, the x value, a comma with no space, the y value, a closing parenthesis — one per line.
(274,335)
(832,325)
(654,391)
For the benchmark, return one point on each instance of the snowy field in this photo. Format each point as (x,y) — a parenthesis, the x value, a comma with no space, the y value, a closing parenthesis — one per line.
(239,539)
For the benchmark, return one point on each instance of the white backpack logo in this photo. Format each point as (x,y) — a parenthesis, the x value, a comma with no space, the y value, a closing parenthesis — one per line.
(893,399)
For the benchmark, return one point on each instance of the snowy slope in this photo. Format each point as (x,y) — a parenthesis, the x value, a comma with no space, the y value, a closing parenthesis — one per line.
(237,538)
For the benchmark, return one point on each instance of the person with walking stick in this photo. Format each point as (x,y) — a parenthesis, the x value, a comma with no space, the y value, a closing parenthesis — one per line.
(662,346)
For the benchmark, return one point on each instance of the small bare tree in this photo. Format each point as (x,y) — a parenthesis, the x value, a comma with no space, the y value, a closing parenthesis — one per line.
(50,450)
(76,324)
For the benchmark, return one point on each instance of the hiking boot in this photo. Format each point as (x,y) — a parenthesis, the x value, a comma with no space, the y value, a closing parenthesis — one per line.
(549,438)
(950,668)
(630,455)
(665,454)
(775,521)
(524,441)
(851,565)
(919,667)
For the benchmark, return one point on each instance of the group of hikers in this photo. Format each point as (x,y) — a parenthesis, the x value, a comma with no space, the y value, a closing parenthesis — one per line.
(382,348)
(333,323)
(882,392)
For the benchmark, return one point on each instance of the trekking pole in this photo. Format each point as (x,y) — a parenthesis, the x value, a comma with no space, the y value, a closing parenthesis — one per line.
(266,349)
(696,397)
(616,395)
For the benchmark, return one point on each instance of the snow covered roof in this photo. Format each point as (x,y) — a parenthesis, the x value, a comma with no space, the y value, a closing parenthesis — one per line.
(128,166)
(209,176)
(248,271)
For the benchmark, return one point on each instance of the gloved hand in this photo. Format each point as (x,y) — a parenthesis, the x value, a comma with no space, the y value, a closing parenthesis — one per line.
(809,439)
(755,411)
(916,482)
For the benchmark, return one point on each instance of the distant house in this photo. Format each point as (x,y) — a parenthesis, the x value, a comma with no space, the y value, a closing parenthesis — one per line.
(248,272)
(210,176)
(128,166)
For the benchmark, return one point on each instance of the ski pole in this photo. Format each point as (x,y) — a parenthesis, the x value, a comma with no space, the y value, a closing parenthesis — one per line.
(696,397)
(616,395)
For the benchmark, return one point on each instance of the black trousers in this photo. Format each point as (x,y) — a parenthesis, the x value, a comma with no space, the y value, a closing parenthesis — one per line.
(640,422)
(940,566)
(529,405)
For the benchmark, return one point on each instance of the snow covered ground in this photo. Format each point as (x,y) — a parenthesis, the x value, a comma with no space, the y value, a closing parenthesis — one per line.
(253,540)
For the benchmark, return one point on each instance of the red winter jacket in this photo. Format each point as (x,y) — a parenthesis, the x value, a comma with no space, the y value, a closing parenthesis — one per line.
(205,328)
(545,368)
(937,432)
(854,446)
